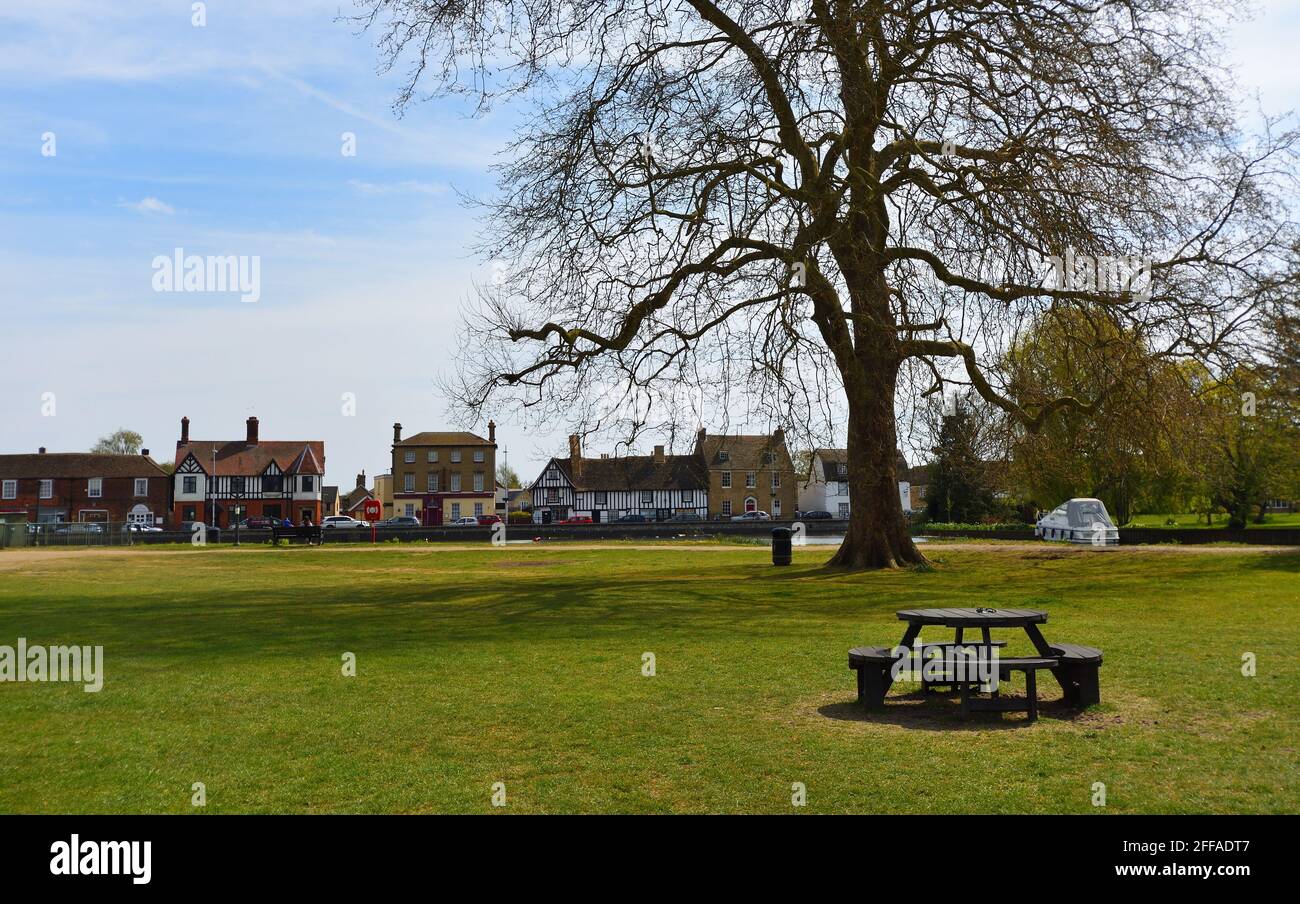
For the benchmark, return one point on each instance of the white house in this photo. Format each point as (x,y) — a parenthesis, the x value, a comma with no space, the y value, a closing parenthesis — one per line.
(825,488)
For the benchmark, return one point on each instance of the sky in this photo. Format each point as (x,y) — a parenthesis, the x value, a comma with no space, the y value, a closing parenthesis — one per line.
(128,132)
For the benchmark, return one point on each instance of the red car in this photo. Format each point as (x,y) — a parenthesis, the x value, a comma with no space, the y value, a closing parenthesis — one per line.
(576,519)
(485,520)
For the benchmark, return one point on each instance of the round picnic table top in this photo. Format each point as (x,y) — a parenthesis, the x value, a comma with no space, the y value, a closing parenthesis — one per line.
(982,617)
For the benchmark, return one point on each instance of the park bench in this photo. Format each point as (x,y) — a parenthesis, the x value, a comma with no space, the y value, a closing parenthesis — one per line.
(309,534)
(1078,673)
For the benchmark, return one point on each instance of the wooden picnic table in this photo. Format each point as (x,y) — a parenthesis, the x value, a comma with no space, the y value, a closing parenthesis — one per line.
(1074,667)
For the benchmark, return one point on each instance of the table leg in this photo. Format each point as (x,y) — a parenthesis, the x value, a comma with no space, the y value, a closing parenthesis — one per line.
(1045,650)
(908,637)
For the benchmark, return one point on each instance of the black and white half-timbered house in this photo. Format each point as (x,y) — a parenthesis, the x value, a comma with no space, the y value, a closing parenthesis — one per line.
(658,486)
(221,482)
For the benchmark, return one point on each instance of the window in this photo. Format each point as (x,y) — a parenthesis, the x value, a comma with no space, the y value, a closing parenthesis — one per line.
(432,457)
(409,456)
(552,496)
(751,479)
(776,507)
(142,486)
(455,456)
(408,483)
(776,479)
(189,513)
(308,484)
(648,498)
(724,455)
(47,489)
(478,508)
(552,475)
(189,484)
(688,497)
(478,456)
(842,470)
(410,509)
(455,482)
(478,481)
(726,480)
(95,487)
(844,509)
(237,485)
(273,483)
(10,489)
(431,482)
(455,510)
(768,458)
(726,506)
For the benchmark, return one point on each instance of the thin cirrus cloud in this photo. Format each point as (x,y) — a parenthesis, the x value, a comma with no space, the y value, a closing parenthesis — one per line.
(149,206)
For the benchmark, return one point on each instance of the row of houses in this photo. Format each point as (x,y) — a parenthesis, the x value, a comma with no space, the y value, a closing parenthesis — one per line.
(213,481)
(436,477)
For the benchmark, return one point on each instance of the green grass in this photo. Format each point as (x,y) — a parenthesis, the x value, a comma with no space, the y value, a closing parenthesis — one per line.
(1274,519)
(523,666)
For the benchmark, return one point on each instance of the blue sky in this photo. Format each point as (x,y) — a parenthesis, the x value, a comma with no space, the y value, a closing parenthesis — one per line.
(226,140)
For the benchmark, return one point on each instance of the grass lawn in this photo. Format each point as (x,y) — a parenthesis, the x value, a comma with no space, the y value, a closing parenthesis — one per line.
(523,665)
(1273,519)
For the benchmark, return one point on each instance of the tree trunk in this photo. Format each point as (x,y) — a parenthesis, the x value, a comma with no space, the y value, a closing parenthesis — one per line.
(878,534)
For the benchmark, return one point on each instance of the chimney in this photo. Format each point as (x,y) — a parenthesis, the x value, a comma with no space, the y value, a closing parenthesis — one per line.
(659,455)
(361,481)
(144,452)
(397,433)
(252,431)
(492,431)
(575,454)
(778,436)
(700,435)
(41,450)
(185,433)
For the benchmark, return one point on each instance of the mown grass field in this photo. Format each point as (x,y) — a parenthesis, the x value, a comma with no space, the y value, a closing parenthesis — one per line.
(523,665)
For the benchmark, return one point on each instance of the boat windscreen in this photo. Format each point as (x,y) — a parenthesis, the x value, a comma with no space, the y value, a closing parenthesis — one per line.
(1088,512)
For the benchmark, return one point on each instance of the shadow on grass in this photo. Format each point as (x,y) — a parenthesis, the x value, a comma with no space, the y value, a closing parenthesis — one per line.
(942,712)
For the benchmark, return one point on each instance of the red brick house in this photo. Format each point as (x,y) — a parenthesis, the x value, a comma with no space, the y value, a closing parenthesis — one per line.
(219,480)
(83,486)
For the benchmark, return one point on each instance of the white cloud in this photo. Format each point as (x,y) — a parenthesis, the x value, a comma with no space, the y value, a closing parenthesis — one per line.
(150,205)
(405,187)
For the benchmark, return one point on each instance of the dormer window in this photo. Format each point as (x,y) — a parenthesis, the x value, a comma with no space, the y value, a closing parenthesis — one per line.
(724,455)
(842,470)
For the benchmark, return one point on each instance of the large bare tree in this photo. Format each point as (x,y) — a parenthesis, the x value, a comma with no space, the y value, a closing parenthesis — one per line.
(803,201)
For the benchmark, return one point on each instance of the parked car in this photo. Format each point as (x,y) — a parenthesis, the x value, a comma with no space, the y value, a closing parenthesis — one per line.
(466,521)
(399,521)
(260,523)
(136,527)
(814,516)
(213,533)
(634,518)
(1079,521)
(752,516)
(343,522)
(79,528)
(576,519)
(686,516)
(487,520)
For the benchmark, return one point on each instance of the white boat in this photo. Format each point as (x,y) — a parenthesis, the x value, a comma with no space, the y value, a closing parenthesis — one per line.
(1079,521)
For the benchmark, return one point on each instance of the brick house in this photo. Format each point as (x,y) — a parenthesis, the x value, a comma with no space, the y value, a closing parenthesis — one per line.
(83,486)
(657,486)
(353,501)
(439,476)
(219,480)
(748,473)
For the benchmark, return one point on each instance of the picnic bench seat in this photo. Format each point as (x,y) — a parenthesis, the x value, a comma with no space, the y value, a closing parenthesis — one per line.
(1030,665)
(1078,673)
(309,534)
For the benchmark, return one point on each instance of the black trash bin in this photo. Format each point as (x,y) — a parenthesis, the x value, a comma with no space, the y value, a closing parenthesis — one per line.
(781,546)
